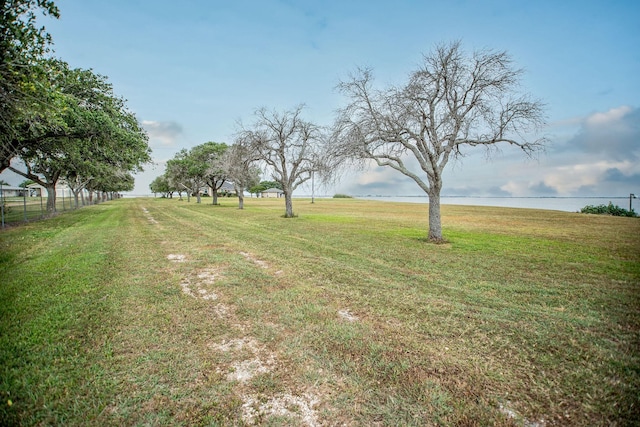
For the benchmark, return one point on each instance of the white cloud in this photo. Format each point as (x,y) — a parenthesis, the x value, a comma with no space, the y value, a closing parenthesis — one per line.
(608,118)
(162,133)
(571,178)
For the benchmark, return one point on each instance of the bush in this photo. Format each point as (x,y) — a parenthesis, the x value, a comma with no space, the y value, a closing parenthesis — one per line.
(609,209)
(342,196)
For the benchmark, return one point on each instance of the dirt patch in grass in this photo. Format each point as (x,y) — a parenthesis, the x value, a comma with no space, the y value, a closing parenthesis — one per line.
(347,315)
(260,361)
(286,405)
(193,286)
(150,218)
(255,360)
(177,257)
(256,261)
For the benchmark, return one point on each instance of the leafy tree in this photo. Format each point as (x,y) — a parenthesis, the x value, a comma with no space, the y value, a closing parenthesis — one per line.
(211,155)
(22,45)
(188,172)
(91,130)
(161,185)
(290,147)
(109,183)
(452,102)
(25,183)
(270,184)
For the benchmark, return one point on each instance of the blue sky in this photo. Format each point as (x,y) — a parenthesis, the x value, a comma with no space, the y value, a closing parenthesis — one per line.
(192,69)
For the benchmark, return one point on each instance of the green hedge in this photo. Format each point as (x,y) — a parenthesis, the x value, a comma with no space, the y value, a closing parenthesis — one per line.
(609,209)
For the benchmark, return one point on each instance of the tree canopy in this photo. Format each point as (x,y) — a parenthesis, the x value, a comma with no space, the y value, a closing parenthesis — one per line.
(187,171)
(211,155)
(22,46)
(89,134)
(60,122)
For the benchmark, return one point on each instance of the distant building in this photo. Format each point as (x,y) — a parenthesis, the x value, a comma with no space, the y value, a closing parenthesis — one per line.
(226,188)
(8,191)
(272,192)
(62,190)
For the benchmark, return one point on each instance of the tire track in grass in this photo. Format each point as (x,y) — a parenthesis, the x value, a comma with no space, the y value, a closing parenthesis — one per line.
(368,272)
(249,358)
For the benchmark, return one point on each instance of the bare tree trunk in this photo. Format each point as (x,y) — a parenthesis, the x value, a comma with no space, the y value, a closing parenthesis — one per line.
(288,204)
(435,223)
(215,197)
(76,197)
(240,201)
(51,198)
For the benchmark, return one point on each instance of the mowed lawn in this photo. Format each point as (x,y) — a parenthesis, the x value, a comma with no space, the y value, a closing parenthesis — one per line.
(163,312)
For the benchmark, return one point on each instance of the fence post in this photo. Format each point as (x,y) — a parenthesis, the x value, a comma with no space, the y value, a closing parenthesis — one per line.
(24,205)
(2,204)
(41,207)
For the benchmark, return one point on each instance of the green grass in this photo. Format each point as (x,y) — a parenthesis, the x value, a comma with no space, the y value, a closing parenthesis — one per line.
(343,315)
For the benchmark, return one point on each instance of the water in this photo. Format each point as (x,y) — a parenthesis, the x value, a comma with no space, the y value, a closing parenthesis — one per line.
(567,204)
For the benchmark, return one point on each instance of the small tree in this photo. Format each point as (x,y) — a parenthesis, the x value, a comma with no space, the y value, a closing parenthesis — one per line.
(451,103)
(211,156)
(161,185)
(288,145)
(187,172)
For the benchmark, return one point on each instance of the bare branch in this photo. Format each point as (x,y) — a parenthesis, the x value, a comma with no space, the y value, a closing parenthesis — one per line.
(451,102)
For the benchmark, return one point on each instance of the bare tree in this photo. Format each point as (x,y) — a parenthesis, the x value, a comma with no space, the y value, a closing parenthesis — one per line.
(239,167)
(453,101)
(289,146)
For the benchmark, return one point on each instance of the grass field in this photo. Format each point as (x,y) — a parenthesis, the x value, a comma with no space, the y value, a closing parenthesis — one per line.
(161,312)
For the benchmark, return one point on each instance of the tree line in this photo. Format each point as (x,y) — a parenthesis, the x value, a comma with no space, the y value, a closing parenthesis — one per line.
(59,123)
(285,145)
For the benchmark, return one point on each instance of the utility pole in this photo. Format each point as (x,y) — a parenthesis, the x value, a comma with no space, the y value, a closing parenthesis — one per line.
(312,188)
(631,197)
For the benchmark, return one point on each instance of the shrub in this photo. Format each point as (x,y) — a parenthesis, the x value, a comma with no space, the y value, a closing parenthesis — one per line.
(342,196)
(609,209)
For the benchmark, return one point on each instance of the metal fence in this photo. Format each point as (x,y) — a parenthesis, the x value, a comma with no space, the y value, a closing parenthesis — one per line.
(28,204)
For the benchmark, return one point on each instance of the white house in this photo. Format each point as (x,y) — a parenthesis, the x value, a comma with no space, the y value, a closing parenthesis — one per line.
(8,191)
(62,190)
(272,192)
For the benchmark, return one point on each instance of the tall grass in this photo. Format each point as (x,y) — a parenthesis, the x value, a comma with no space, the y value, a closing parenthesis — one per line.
(155,311)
